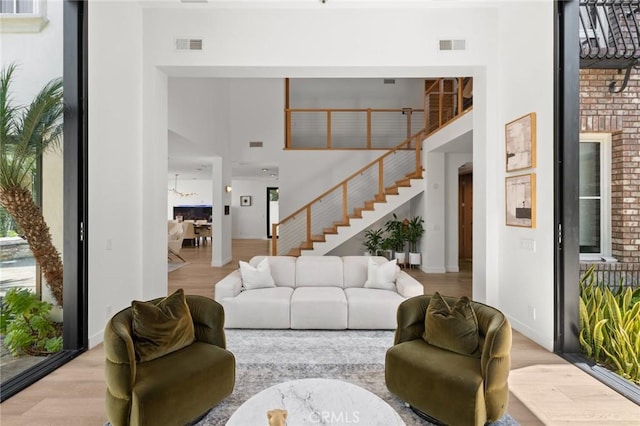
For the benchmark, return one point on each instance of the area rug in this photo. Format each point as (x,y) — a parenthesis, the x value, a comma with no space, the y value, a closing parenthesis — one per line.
(268,357)
(173,266)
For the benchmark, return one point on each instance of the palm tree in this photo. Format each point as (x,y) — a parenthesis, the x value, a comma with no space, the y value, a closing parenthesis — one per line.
(26,132)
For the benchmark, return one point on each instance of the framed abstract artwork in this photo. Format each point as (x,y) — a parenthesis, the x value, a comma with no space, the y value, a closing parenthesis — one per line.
(520,200)
(520,135)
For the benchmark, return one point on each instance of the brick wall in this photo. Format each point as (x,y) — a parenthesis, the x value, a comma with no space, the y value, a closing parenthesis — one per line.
(619,114)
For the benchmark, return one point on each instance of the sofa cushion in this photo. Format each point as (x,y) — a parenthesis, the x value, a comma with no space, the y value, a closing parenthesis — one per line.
(161,327)
(452,328)
(381,275)
(258,276)
(372,309)
(259,308)
(355,269)
(283,269)
(319,271)
(319,308)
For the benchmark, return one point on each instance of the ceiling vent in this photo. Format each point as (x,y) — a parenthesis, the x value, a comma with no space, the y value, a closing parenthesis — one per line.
(255,144)
(188,44)
(389,81)
(453,44)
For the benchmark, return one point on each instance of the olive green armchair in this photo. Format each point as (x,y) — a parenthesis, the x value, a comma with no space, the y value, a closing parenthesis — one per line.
(450,387)
(176,388)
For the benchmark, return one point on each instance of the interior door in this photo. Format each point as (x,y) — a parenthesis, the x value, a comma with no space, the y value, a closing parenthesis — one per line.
(465,216)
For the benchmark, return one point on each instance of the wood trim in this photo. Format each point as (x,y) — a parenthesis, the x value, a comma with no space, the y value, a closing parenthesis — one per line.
(309,221)
(345,202)
(347,109)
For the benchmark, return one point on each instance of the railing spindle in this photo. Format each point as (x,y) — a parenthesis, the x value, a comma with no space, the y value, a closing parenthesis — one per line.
(328,129)
(369,128)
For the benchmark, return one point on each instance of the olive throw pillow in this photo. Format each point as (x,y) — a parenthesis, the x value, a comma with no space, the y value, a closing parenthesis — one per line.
(161,327)
(452,328)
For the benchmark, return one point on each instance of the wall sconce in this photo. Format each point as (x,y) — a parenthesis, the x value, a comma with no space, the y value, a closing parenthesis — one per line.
(227,188)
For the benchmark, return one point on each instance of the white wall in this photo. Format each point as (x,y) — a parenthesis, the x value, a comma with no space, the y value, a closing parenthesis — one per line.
(250,222)
(117,242)
(356,93)
(526,281)
(248,43)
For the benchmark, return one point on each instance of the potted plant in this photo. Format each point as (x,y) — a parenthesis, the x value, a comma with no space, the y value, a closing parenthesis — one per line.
(397,237)
(373,241)
(415,230)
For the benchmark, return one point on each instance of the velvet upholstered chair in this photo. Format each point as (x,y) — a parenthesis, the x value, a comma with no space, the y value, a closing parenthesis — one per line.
(175,388)
(453,387)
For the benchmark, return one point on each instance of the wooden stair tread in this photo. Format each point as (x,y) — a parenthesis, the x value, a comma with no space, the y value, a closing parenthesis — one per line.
(318,238)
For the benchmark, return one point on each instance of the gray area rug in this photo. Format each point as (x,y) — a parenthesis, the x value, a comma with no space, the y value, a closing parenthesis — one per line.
(267,357)
(173,266)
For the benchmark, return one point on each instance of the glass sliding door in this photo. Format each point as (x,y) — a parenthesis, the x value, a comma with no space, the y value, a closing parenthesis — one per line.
(42,249)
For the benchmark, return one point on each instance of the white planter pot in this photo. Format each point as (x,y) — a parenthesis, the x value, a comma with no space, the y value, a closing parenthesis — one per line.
(401,257)
(366,253)
(414,259)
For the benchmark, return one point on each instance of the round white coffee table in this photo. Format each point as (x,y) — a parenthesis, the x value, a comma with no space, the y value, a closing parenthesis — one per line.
(317,402)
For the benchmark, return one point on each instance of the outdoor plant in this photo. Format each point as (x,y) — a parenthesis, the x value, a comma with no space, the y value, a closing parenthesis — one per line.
(610,326)
(373,240)
(415,230)
(26,132)
(26,325)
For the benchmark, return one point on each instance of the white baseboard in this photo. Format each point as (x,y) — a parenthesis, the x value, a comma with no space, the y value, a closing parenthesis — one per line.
(96,339)
(455,268)
(434,270)
(224,262)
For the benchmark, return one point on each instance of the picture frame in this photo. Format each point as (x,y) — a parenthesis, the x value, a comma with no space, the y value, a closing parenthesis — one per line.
(520,139)
(245,200)
(520,200)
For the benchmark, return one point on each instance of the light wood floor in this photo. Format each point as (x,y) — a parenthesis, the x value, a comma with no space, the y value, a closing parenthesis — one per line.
(545,389)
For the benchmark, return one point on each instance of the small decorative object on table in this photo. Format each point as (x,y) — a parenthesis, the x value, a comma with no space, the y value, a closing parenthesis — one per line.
(277,417)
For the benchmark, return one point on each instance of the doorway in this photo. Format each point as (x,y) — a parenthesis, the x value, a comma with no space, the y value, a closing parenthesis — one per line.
(465,216)
(273,213)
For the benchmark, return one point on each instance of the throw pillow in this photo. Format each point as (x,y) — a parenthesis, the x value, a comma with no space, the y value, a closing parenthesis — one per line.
(161,327)
(452,328)
(381,276)
(258,277)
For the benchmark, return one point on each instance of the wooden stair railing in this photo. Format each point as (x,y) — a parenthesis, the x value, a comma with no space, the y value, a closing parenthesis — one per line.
(338,196)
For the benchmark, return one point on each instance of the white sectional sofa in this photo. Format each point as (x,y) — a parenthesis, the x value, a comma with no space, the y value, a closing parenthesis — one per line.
(315,292)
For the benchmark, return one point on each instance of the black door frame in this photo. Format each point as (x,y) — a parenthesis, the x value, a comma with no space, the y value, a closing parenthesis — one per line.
(566,172)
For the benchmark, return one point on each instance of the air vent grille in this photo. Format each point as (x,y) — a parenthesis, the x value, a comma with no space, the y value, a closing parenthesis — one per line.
(453,44)
(389,81)
(255,144)
(188,44)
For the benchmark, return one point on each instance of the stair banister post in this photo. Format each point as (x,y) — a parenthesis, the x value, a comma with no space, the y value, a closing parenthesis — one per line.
(309,222)
(369,128)
(328,129)
(418,156)
(274,239)
(345,203)
(459,111)
(381,177)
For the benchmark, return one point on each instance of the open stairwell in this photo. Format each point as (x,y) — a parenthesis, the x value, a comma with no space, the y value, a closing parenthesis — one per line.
(354,204)
(362,217)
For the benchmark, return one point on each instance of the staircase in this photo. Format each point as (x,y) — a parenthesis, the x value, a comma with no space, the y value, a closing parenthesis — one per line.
(354,204)
(373,210)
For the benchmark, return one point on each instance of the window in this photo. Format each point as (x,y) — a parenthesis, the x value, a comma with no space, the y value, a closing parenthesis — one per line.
(595,196)
(23,16)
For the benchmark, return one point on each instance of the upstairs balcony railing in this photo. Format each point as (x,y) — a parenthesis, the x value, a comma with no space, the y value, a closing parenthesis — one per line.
(377,128)
(610,36)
